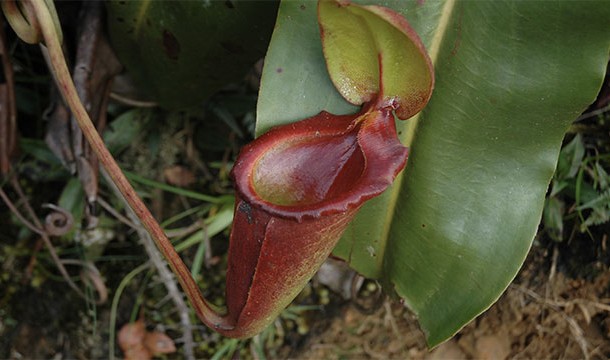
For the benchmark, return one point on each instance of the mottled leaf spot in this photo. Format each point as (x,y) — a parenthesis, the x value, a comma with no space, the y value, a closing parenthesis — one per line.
(171,46)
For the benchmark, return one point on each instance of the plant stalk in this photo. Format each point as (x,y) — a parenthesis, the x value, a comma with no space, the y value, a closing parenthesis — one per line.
(208,313)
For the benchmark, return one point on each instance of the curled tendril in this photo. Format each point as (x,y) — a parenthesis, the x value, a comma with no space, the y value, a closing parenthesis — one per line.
(91,274)
(34,22)
(22,18)
(58,222)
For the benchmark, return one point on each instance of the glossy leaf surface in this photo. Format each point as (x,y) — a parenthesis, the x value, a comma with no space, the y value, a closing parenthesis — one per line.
(294,87)
(181,52)
(511,76)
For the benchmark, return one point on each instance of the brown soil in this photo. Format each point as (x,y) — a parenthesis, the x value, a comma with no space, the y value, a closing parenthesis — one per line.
(543,314)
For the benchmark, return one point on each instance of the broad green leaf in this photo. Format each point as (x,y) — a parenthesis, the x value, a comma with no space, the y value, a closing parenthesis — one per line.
(486,148)
(451,234)
(181,52)
(293,85)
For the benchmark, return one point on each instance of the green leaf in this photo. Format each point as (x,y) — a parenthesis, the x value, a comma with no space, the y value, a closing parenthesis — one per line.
(125,129)
(451,234)
(570,158)
(214,225)
(72,199)
(553,218)
(181,52)
(295,83)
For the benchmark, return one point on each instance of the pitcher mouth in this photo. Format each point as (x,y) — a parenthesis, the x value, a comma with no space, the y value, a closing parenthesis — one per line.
(323,165)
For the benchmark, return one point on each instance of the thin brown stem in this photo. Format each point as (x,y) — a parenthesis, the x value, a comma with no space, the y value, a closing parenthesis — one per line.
(115,213)
(18,214)
(206,311)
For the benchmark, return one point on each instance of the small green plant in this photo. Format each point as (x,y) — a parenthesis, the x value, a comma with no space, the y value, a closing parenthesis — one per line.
(579,195)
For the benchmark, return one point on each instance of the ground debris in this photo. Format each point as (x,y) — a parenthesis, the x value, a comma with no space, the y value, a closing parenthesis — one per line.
(536,318)
(137,343)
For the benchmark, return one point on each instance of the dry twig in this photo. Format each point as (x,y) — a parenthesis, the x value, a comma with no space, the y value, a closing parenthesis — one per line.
(165,274)
(575,329)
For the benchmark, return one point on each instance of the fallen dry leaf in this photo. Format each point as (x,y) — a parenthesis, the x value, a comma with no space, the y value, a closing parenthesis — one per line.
(131,340)
(158,343)
(139,344)
(179,176)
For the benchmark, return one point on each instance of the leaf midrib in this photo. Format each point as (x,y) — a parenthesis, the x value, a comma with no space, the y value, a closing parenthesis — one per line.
(407,137)
(142,11)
